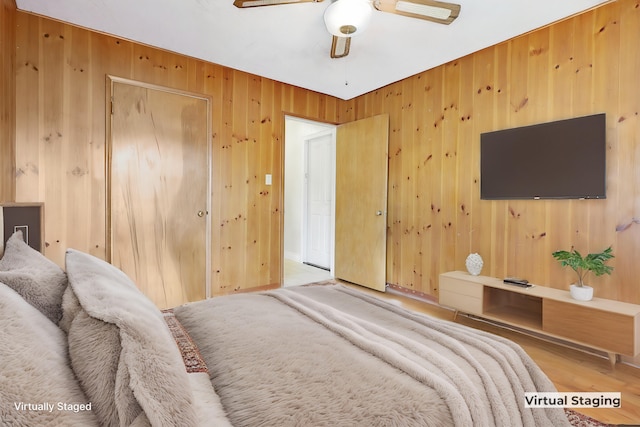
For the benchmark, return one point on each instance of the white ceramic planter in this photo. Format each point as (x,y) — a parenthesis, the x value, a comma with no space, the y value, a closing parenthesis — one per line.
(581,293)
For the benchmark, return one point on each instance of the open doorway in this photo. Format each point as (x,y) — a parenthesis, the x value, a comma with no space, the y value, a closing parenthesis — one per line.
(309,201)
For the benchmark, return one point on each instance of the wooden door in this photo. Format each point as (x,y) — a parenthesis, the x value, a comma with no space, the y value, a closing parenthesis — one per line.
(319,200)
(159,191)
(361,202)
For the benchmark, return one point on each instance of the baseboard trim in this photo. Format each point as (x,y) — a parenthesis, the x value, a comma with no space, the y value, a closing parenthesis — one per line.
(420,296)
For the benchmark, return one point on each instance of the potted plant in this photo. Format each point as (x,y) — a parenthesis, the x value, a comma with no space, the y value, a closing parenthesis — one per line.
(595,263)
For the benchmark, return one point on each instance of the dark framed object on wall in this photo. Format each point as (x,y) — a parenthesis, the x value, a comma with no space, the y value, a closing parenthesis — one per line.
(27,217)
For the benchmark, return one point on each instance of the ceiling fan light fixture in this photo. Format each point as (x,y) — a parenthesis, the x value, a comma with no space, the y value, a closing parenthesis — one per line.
(347,18)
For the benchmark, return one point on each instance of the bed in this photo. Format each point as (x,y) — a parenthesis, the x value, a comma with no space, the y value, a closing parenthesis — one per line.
(84,347)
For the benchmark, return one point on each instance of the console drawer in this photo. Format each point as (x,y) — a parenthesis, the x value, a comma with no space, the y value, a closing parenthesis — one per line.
(460,287)
(464,303)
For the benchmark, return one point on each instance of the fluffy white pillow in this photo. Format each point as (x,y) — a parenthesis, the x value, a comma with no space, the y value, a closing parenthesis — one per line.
(36,278)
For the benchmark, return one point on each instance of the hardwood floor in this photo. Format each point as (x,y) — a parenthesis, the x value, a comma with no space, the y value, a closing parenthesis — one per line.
(571,370)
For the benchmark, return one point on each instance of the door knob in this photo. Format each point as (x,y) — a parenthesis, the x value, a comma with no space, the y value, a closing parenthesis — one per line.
(200,214)
(378,213)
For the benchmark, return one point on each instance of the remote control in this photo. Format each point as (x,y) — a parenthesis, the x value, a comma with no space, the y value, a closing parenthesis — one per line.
(518,282)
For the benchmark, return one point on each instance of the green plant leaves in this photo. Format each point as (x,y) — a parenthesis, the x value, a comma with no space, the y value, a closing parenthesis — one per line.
(594,262)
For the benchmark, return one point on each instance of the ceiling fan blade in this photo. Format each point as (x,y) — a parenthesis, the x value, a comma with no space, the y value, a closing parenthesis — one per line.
(430,10)
(340,46)
(254,3)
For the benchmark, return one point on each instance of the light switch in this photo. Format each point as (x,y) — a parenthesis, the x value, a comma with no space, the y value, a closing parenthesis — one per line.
(267,179)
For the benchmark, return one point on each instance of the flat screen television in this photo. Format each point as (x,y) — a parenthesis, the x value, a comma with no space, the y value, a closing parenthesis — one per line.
(565,159)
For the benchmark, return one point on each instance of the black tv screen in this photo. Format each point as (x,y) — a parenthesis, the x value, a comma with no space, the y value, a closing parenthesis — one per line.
(558,160)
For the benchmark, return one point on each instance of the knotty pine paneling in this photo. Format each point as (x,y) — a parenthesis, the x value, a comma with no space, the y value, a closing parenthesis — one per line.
(7,99)
(61,122)
(583,65)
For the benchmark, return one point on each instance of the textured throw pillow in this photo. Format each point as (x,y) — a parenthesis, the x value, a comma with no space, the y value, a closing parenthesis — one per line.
(122,350)
(37,386)
(70,309)
(37,279)
(95,349)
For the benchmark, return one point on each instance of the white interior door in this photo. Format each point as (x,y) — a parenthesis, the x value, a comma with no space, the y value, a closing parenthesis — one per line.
(319,155)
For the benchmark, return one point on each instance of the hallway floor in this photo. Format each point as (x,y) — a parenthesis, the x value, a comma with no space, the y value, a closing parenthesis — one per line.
(296,273)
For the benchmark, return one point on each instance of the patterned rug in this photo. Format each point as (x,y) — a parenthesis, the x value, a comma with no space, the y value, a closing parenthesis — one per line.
(579,420)
(193,360)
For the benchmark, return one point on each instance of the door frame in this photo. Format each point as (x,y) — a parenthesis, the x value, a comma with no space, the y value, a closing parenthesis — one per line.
(110,81)
(382,209)
(287,117)
(331,175)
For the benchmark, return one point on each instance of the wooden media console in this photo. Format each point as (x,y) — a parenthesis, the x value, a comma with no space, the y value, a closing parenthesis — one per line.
(606,325)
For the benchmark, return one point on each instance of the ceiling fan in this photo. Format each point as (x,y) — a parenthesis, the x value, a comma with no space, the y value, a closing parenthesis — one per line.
(347,18)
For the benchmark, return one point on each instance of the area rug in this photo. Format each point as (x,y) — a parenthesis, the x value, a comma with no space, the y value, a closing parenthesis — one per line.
(579,420)
(191,356)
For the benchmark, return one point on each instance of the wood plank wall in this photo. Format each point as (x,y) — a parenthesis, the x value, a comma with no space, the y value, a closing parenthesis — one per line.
(583,65)
(61,115)
(7,99)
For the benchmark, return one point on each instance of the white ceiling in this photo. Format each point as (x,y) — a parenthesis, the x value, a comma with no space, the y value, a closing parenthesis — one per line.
(289,43)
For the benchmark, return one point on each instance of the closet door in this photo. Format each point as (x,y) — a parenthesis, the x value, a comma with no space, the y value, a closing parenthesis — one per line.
(159,191)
